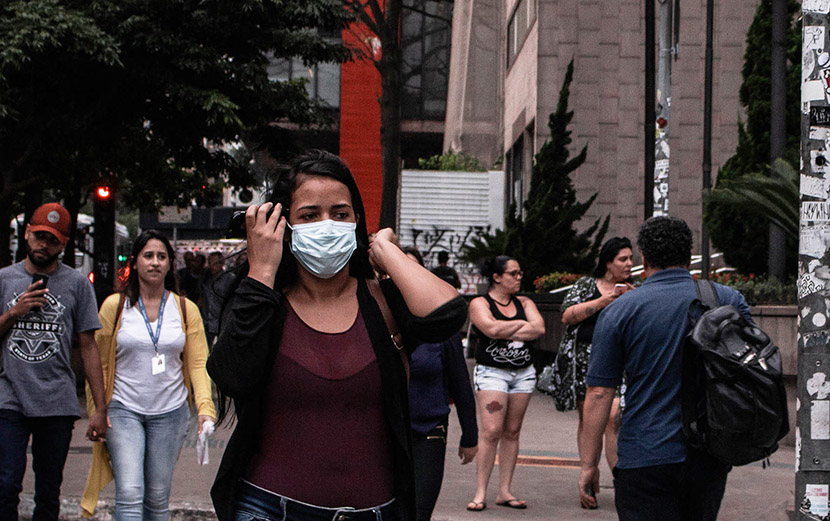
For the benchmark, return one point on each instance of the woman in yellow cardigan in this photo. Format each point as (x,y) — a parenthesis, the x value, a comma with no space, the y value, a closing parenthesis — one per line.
(154,362)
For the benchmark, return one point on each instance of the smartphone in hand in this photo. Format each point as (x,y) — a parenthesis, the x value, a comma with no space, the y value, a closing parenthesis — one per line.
(40,277)
(44,280)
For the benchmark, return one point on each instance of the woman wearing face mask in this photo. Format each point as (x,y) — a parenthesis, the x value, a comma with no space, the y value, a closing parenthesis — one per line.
(308,354)
(505,325)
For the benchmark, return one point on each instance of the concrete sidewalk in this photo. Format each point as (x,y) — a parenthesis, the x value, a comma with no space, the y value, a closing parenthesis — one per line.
(546,478)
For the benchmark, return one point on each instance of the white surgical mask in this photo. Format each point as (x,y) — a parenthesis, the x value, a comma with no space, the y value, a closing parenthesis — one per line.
(324,247)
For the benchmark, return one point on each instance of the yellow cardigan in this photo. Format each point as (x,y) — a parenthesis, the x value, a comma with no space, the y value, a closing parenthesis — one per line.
(196,380)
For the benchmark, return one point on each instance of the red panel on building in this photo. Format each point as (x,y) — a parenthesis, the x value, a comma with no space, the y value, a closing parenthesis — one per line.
(360,90)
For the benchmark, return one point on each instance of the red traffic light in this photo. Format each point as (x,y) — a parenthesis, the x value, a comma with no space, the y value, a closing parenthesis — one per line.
(103,192)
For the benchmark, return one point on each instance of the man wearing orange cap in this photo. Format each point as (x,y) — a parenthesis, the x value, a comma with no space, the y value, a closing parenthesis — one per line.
(38,397)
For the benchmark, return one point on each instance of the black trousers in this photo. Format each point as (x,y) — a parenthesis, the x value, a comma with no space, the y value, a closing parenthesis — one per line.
(688,491)
(50,437)
(428,453)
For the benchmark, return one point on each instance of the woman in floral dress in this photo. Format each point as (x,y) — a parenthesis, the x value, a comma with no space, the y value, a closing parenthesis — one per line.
(580,309)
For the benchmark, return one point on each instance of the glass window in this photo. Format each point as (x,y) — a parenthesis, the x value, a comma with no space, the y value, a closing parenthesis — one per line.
(518,26)
(322,79)
(425,52)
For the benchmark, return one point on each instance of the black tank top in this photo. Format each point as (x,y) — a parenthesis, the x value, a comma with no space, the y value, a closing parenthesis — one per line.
(504,354)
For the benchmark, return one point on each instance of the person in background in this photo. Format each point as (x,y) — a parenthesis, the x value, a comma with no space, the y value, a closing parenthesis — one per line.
(311,353)
(445,272)
(438,375)
(641,334)
(505,326)
(153,351)
(38,393)
(580,310)
(189,277)
(210,304)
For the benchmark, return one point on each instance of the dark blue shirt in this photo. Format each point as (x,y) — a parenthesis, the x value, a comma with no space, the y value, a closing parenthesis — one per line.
(438,372)
(641,334)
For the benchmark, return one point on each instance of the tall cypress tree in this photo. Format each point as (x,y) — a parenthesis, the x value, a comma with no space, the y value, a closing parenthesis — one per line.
(741,237)
(543,239)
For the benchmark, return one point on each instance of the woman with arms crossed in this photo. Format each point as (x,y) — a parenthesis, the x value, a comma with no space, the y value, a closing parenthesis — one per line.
(308,357)
(504,375)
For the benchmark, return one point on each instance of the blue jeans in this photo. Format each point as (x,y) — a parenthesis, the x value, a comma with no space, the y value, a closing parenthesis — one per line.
(50,444)
(256,504)
(143,449)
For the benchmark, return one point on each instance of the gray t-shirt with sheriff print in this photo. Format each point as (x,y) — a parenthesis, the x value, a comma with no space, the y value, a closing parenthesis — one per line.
(36,376)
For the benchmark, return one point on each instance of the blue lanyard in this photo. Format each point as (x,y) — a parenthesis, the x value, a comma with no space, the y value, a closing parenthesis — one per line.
(153,338)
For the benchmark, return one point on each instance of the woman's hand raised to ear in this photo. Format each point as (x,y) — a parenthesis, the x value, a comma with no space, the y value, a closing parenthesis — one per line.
(378,255)
(265,236)
(422,291)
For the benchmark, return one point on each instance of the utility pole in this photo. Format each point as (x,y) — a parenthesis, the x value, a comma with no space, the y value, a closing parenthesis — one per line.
(648,125)
(776,261)
(812,460)
(705,264)
(663,111)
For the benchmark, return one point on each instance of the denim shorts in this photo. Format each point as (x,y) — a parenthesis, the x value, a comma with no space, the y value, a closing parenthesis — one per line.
(508,381)
(257,504)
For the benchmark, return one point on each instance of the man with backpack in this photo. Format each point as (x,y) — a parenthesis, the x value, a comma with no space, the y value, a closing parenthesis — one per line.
(642,335)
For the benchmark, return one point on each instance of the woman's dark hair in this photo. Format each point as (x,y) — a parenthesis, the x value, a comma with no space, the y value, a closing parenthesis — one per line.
(131,287)
(665,242)
(412,250)
(609,252)
(494,266)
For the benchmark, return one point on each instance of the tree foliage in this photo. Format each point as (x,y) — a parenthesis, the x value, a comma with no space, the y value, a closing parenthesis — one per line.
(450,161)
(148,93)
(543,239)
(741,237)
(774,197)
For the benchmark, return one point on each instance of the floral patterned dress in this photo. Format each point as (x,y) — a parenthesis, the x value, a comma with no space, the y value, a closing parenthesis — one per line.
(571,365)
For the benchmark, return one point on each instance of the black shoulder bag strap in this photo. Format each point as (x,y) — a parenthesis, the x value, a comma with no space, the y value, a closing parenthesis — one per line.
(706,293)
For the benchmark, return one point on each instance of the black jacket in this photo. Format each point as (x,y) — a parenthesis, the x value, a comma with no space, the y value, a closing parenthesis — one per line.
(244,354)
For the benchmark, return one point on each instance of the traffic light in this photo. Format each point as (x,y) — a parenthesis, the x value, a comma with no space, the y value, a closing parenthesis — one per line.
(104,241)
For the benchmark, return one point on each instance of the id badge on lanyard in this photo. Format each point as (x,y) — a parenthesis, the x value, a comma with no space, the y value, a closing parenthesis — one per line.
(158,364)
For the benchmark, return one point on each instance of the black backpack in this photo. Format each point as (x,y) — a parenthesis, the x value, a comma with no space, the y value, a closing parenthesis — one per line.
(734,403)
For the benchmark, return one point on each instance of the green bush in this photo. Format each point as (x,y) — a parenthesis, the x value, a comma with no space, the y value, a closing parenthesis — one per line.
(452,162)
(760,290)
(552,281)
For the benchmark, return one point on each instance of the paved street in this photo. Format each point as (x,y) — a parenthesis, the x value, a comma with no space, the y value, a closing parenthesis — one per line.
(546,478)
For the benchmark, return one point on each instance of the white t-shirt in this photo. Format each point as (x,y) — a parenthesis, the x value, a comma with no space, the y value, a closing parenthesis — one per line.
(136,387)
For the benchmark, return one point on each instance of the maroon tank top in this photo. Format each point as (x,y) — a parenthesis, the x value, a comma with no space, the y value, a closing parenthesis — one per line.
(324,438)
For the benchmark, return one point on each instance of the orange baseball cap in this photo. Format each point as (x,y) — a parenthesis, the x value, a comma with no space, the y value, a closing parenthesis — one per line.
(52,218)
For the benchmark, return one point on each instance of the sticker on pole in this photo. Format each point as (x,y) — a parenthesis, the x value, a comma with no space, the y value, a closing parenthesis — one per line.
(817,496)
(815,211)
(816,6)
(819,116)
